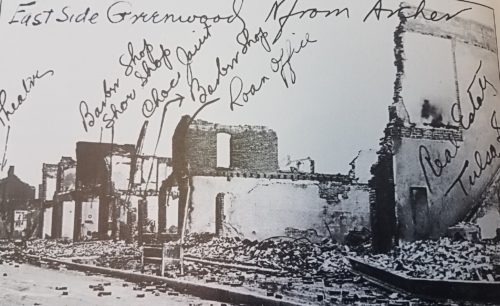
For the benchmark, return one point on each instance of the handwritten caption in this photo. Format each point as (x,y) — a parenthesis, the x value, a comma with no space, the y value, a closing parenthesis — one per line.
(142,61)
(479,91)
(34,14)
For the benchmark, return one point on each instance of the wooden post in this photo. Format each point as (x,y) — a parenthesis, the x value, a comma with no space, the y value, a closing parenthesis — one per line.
(142,258)
(183,230)
(163,259)
(142,214)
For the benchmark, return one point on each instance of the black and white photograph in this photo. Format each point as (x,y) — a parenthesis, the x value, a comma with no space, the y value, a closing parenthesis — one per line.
(237,152)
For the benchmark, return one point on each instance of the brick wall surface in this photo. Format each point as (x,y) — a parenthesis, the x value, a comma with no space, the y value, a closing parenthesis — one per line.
(202,150)
(424,133)
(252,148)
(255,150)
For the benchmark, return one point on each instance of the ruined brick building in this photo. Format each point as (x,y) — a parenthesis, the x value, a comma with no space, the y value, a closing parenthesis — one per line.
(18,210)
(227,181)
(437,164)
(439,152)
(221,179)
(99,195)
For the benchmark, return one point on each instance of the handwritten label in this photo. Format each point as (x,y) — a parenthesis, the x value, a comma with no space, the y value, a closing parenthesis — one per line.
(9,106)
(476,94)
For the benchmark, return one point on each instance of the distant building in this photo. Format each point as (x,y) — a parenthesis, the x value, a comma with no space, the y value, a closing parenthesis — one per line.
(18,211)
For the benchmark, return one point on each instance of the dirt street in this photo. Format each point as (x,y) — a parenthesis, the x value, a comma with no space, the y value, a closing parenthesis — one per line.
(30,285)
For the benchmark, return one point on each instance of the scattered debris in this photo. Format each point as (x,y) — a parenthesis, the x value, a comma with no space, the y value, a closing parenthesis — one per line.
(118,255)
(443,259)
(293,256)
(63,248)
(465,231)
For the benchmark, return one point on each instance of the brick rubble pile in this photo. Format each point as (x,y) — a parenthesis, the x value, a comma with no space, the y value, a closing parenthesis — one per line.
(296,256)
(61,248)
(443,259)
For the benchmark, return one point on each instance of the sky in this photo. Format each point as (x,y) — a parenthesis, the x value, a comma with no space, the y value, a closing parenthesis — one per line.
(336,106)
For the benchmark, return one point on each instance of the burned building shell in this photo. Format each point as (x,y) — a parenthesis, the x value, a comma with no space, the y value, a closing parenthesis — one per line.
(432,170)
(18,210)
(229,183)
(97,196)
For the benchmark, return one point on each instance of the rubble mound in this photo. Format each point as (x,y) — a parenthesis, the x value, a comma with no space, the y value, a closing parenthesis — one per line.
(442,259)
(295,256)
(6,245)
(65,248)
